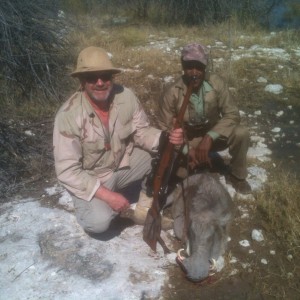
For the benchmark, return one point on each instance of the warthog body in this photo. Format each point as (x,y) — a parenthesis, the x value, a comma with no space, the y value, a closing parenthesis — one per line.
(209,210)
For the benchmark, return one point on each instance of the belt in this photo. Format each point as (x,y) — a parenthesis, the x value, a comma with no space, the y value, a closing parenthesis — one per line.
(196,130)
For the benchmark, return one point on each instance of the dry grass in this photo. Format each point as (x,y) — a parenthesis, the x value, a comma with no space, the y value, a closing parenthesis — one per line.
(279,204)
(124,43)
(278,208)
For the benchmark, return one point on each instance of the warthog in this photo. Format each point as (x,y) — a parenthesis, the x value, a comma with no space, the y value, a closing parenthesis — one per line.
(209,210)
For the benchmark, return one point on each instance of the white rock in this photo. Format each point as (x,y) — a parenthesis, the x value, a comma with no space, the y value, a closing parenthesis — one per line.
(264,261)
(274,88)
(233,272)
(245,265)
(276,129)
(244,243)
(258,173)
(260,144)
(233,260)
(256,139)
(29,132)
(259,153)
(262,80)
(279,114)
(257,112)
(257,235)
(244,216)
(290,257)
(168,79)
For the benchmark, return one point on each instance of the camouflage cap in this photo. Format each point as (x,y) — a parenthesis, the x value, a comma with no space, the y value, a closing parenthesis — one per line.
(195,52)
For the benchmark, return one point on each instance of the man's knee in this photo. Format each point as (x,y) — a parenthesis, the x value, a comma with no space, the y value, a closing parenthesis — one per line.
(94,216)
(240,137)
(91,224)
(242,133)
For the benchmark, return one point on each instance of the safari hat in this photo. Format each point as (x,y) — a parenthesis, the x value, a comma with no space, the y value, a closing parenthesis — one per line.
(94,59)
(195,52)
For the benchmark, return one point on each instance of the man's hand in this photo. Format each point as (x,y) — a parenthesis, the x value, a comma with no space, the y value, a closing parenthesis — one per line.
(176,136)
(193,161)
(203,149)
(115,200)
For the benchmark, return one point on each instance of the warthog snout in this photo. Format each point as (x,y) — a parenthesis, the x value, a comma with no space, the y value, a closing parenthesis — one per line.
(209,210)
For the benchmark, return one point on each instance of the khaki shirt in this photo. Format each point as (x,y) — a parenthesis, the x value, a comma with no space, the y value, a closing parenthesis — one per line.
(81,161)
(219,108)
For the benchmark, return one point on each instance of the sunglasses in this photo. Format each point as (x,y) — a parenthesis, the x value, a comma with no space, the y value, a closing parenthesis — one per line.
(93,78)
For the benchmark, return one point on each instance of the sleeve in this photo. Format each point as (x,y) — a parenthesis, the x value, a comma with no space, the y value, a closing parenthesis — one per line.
(167,109)
(229,112)
(146,136)
(68,158)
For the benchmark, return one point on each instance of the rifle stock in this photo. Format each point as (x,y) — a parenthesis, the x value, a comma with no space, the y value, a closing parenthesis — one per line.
(152,227)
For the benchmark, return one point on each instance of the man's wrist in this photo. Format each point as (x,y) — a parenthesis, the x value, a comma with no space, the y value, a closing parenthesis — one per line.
(214,135)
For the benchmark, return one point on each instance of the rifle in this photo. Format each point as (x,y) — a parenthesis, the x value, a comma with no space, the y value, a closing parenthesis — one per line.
(152,227)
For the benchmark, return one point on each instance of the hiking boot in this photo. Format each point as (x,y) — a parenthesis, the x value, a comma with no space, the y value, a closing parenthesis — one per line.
(240,185)
(141,211)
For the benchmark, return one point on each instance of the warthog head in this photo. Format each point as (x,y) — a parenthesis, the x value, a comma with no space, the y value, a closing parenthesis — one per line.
(209,210)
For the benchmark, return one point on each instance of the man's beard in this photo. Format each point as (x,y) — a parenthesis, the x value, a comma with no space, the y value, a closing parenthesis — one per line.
(99,100)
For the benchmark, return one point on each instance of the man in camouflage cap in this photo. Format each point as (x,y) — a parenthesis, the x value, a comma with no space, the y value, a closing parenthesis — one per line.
(212,119)
(102,142)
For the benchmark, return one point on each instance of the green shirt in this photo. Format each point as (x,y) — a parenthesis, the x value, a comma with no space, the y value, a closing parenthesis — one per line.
(197,111)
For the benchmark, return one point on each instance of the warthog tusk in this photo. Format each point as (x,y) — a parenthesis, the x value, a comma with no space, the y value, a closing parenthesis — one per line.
(213,267)
(181,257)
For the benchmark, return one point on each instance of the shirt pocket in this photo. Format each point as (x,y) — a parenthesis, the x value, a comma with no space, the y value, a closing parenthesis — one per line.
(92,153)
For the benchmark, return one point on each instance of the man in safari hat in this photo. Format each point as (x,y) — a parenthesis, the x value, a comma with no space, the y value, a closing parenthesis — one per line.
(212,120)
(102,142)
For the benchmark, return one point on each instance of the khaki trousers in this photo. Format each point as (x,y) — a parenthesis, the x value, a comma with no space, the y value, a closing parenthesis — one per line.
(237,144)
(95,216)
